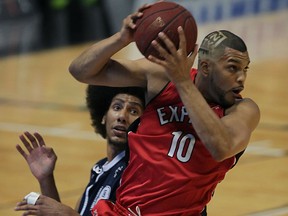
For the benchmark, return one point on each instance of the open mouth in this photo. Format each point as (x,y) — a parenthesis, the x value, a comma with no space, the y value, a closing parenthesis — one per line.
(236,92)
(120,131)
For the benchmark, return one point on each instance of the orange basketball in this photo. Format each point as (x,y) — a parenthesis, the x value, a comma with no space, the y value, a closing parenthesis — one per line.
(164,17)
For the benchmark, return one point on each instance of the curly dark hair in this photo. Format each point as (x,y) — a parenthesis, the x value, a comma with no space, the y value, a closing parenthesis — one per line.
(99,98)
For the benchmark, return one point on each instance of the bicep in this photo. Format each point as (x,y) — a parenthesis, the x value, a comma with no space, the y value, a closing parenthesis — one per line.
(241,120)
(120,73)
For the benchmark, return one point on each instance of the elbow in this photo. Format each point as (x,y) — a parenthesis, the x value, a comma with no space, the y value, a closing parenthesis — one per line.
(75,72)
(221,152)
(72,69)
(219,156)
(81,74)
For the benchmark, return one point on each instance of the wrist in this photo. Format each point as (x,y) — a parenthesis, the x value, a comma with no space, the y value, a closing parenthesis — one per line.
(184,83)
(121,39)
(46,179)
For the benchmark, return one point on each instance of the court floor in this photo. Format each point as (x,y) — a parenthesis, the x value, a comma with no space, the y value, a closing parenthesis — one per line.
(38,94)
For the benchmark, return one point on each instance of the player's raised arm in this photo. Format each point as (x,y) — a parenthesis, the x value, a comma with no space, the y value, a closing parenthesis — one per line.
(41,160)
(95,65)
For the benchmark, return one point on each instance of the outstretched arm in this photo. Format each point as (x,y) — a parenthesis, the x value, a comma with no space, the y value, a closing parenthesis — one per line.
(95,65)
(41,161)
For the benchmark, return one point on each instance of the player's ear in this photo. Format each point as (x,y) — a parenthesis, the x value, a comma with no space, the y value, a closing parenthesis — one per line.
(103,122)
(204,67)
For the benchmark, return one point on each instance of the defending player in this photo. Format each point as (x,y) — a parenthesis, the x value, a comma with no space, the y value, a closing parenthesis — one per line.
(112,110)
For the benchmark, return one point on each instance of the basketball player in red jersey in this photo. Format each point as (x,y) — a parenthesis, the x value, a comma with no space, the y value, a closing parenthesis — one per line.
(195,125)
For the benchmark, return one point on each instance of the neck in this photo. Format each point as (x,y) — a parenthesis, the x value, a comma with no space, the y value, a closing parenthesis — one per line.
(113,150)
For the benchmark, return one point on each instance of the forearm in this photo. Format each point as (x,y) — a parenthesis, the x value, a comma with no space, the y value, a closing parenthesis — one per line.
(212,132)
(92,60)
(45,206)
(48,188)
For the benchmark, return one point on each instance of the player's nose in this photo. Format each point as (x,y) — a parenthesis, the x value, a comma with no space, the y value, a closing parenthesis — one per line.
(122,115)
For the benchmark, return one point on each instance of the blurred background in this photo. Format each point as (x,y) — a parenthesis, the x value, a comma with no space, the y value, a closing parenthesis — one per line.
(39,39)
(31,25)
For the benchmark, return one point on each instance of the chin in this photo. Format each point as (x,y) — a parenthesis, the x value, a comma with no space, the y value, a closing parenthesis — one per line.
(226,103)
(118,141)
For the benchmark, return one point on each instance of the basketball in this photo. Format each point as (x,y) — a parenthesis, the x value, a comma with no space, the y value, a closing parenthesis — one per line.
(164,17)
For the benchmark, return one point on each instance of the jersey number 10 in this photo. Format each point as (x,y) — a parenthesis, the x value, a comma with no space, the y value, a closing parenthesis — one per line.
(181,143)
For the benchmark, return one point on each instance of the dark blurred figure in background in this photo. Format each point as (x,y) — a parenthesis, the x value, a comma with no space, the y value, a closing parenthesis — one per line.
(72,21)
(31,25)
(19,26)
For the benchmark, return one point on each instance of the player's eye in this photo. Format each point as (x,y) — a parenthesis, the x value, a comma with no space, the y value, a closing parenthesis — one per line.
(246,69)
(117,107)
(233,68)
(134,111)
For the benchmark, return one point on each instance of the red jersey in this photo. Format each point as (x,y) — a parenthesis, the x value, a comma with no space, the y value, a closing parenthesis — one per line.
(170,171)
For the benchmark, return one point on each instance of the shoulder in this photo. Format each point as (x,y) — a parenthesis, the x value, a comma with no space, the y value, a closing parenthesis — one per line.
(156,77)
(248,105)
(245,104)
(245,109)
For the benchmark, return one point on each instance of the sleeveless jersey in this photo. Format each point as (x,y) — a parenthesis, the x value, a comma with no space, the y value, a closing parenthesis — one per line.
(170,171)
(104,180)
